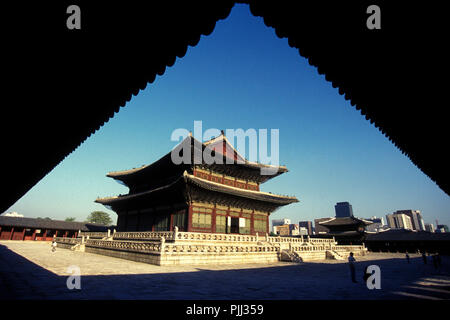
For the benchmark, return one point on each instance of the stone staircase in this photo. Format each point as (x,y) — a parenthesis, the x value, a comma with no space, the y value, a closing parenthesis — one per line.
(331,254)
(290,256)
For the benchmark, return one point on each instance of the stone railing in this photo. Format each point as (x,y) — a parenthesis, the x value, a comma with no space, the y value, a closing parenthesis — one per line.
(68,240)
(348,248)
(93,235)
(297,248)
(177,248)
(144,235)
(131,246)
(198,236)
(324,241)
(158,247)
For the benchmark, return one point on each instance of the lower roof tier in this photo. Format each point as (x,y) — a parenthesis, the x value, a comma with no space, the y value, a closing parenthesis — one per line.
(188,188)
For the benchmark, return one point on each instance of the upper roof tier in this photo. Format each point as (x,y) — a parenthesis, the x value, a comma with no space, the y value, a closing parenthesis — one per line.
(187,179)
(233,163)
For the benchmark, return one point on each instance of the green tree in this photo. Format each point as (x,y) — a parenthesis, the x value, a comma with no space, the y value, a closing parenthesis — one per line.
(99,217)
(70,219)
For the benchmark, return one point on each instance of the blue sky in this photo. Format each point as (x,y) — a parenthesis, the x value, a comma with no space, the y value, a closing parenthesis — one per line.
(244,76)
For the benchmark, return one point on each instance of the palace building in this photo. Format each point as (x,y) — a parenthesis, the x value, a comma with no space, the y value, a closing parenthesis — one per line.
(197,195)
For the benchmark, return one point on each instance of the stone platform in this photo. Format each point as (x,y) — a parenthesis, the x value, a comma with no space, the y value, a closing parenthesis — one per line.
(191,248)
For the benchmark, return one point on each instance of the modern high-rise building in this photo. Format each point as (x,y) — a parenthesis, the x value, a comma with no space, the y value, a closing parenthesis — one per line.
(416,219)
(303,231)
(442,228)
(429,227)
(280,222)
(343,209)
(287,230)
(307,225)
(378,223)
(399,221)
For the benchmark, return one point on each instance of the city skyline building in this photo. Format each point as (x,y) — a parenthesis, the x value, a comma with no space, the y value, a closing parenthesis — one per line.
(416,219)
(429,227)
(343,209)
(308,225)
(377,224)
(399,221)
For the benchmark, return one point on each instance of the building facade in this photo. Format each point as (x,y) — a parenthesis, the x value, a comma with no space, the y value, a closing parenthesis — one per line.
(197,195)
(377,224)
(279,222)
(416,219)
(308,225)
(399,221)
(20,228)
(429,227)
(343,209)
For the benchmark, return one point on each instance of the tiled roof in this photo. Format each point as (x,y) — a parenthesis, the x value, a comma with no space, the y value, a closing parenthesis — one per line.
(206,184)
(344,221)
(23,222)
(407,235)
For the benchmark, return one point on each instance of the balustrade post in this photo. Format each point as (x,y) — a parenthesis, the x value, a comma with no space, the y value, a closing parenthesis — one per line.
(267,237)
(163,241)
(175,233)
(257,239)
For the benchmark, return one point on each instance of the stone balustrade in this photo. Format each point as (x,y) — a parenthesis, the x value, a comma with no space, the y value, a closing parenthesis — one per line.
(93,235)
(169,248)
(68,240)
(198,236)
(131,246)
(177,248)
(144,235)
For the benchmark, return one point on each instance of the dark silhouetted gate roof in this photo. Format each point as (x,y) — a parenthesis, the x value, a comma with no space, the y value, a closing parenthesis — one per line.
(60,86)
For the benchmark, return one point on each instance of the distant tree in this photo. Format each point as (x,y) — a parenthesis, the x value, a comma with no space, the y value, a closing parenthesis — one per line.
(70,219)
(99,217)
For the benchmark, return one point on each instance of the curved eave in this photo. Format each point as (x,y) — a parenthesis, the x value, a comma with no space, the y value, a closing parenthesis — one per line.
(250,194)
(116,199)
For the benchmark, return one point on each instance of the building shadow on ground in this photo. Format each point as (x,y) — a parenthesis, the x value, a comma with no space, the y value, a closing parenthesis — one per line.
(23,279)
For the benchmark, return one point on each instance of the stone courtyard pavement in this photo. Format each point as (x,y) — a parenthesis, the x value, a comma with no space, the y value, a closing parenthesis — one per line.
(29,270)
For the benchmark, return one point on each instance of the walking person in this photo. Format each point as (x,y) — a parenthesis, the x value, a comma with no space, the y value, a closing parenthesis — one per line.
(407,256)
(53,245)
(351,264)
(424,257)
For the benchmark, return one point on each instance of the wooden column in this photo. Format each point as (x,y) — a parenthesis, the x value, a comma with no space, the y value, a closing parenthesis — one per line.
(213,220)
(23,234)
(45,235)
(76,234)
(65,234)
(12,233)
(189,228)
(252,222)
(33,237)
